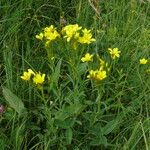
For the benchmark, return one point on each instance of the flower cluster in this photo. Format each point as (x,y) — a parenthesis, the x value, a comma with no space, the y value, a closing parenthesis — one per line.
(70,32)
(78,34)
(97,75)
(49,34)
(101,73)
(86,37)
(37,78)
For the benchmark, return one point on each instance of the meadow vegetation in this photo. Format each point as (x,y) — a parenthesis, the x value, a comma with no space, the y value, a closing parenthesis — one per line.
(74,75)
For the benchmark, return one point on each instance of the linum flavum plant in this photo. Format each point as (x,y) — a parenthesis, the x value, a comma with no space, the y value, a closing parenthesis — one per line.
(69,86)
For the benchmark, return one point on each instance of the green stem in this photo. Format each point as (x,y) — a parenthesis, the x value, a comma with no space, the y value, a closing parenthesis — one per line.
(47,111)
(99,99)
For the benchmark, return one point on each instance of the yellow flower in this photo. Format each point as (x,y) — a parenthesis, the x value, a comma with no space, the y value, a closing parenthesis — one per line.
(31,71)
(101,75)
(50,33)
(103,64)
(38,78)
(97,75)
(40,36)
(87,37)
(92,75)
(143,61)
(71,31)
(27,75)
(114,53)
(49,29)
(87,57)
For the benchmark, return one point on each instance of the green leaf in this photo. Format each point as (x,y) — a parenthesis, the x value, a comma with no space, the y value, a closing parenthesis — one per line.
(56,74)
(82,68)
(68,111)
(13,101)
(101,140)
(110,127)
(96,130)
(65,124)
(98,135)
(69,135)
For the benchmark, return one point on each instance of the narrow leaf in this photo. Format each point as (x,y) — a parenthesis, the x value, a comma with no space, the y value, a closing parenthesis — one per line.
(69,135)
(110,127)
(55,76)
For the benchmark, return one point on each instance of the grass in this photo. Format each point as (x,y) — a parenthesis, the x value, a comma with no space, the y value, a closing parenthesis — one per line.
(70,111)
